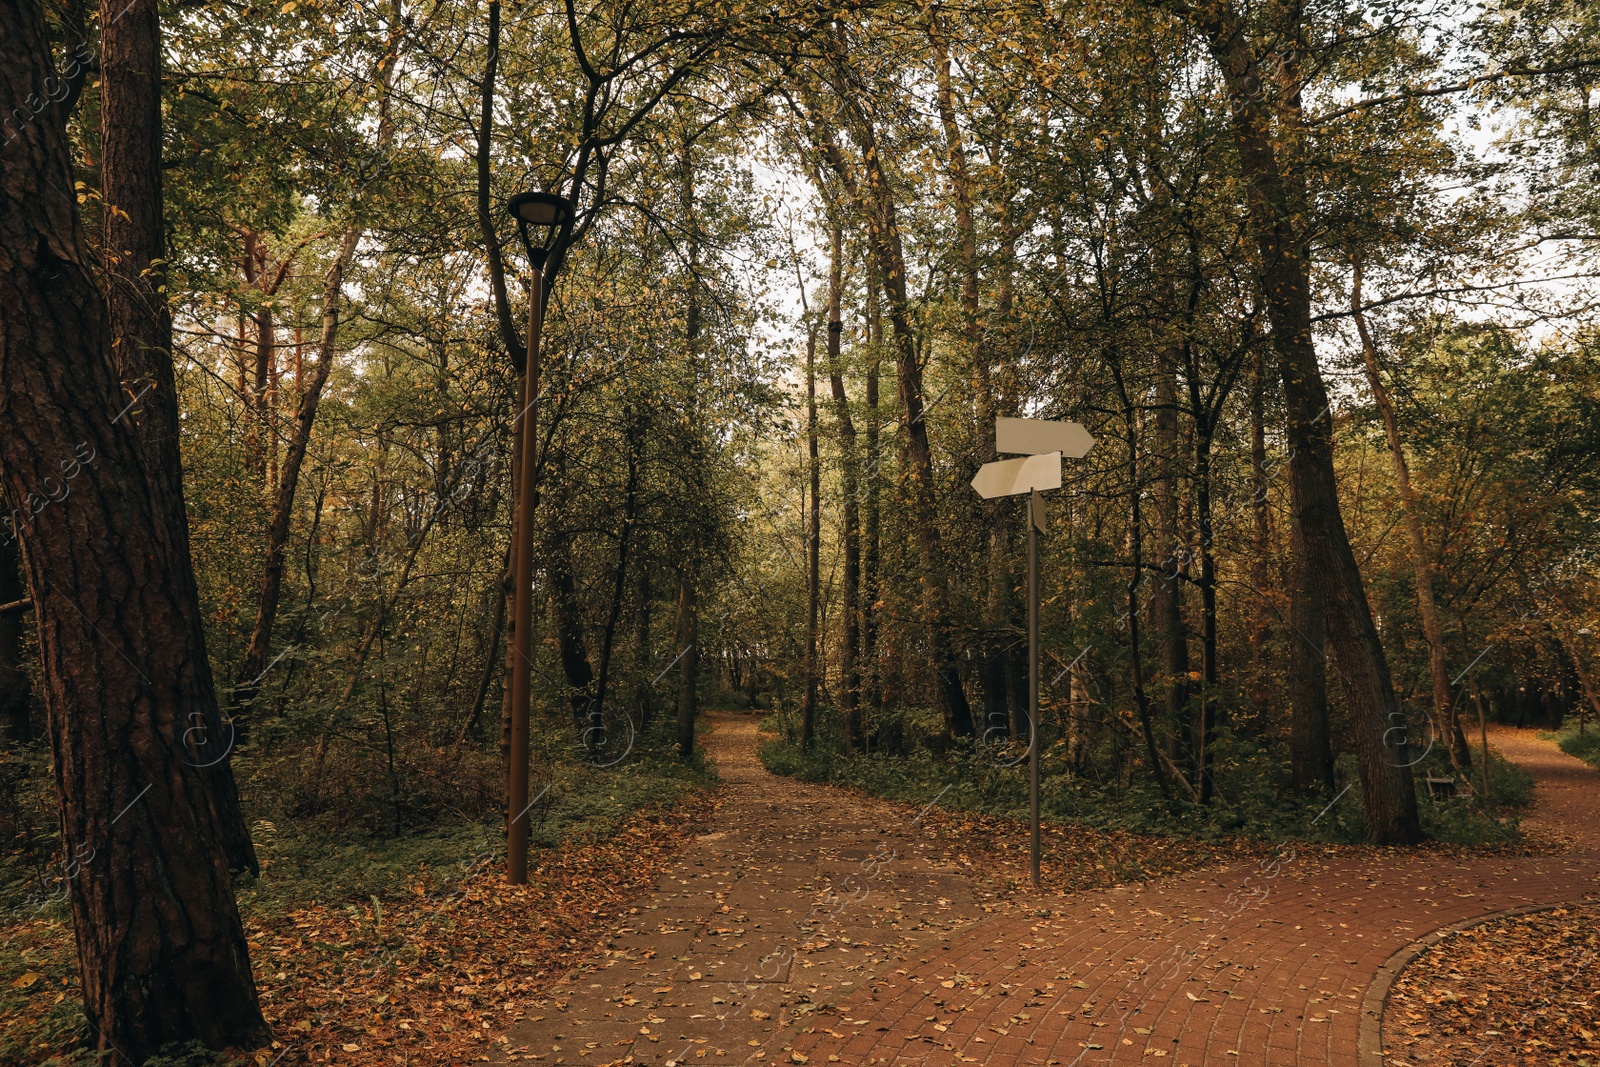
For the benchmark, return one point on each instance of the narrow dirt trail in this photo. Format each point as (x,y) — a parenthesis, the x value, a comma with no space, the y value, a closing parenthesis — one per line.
(1566,801)
(813,925)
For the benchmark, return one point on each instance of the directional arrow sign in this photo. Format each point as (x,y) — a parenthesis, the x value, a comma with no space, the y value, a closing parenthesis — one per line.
(1007,477)
(1036,436)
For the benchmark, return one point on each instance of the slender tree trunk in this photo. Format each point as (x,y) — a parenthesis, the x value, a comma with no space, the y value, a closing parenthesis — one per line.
(259,385)
(1261,631)
(1167,594)
(1310,750)
(492,654)
(630,517)
(569,626)
(871,519)
(1210,710)
(877,199)
(131,703)
(688,640)
(1378,723)
(644,697)
(687,629)
(808,706)
(850,483)
(490,236)
(990,513)
(1134,544)
(1445,717)
(254,664)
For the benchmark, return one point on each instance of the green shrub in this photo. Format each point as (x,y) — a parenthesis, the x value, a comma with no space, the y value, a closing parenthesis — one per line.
(1584,745)
(1252,796)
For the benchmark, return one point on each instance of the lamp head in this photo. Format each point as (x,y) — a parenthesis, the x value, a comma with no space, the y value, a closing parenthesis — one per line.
(544,220)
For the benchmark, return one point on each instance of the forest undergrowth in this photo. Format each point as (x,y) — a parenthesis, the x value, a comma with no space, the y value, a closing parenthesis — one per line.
(380,940)
(1253,802)
(1582,742)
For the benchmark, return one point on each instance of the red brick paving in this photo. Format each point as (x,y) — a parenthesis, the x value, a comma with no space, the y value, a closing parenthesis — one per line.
(1260,964)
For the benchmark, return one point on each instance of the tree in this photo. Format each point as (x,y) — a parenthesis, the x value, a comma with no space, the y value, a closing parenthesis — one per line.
(1267,131)
(132,711)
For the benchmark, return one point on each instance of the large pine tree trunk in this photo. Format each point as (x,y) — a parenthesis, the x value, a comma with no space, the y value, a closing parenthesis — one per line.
(132,709)
(136,302)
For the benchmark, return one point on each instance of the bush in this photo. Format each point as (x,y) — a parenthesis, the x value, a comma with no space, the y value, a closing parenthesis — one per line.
(1584,745)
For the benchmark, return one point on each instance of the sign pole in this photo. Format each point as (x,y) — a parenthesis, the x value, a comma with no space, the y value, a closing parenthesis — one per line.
(1044,444)
(1035,524)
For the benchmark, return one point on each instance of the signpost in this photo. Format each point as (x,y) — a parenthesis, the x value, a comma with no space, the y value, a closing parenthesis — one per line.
(1044,444)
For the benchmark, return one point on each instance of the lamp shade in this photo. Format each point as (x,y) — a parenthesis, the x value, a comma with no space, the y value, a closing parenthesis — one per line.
(544,221)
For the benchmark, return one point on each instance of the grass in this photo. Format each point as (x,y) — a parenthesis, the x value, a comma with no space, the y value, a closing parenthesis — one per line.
(1584,745)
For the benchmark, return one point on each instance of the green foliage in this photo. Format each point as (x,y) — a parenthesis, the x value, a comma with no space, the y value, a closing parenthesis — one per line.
(1253,796)
(1585,744)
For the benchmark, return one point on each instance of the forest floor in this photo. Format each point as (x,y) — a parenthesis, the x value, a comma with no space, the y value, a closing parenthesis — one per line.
(812,924)
(1521,989)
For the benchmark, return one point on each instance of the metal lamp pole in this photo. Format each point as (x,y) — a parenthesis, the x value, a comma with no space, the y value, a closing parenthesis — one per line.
(552,214)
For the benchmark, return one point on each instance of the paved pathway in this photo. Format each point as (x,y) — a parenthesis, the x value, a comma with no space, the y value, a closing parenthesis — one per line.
(798,939)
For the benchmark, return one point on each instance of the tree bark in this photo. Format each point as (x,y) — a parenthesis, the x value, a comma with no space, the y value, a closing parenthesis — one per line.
(850,483)
(1285,270)
(1172,639)
(808,706)
(492,656)
(247,685)
(128,689)
(872,526)
(688,640)
(133,240)
(990,513)
(644,697)
(495,263)
(569,626)
(1134,544)
(1310,753)
(1261,629)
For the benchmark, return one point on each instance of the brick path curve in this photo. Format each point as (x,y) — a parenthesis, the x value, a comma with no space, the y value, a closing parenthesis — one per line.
(734,961)
(1261,965)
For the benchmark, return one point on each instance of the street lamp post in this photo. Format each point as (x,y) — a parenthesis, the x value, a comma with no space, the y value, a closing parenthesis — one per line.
(545,222)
